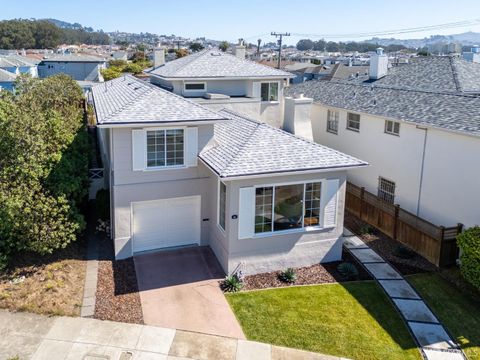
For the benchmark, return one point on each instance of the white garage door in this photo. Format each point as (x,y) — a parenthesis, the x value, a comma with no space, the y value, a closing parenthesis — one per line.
(166,223)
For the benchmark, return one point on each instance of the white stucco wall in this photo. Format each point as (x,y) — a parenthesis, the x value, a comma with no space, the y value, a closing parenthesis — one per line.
(449,194)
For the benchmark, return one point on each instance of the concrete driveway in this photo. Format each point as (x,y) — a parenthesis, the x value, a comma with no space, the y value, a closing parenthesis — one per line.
(179,289)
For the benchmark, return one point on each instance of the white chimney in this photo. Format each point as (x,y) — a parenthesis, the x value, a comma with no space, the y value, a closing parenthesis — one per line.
(158,57)
(240,49)
(378,65)
(297,116)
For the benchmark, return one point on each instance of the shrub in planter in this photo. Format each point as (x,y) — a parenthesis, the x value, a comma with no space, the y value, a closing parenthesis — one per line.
(404,252)
(366,230)
(469,243)
(288,276)
(103,204)
(232,283)
(348,271)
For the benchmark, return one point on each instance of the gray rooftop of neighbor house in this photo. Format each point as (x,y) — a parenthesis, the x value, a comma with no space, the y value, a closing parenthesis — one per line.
(7,76)
(247,147)
(451,111)
(128,100)
(16,60)
(215,64)
(437,73)
(74,58)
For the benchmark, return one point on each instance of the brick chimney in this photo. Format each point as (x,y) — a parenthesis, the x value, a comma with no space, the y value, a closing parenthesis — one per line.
(378,65)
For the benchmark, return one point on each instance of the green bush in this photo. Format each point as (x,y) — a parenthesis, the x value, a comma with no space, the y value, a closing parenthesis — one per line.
(232,283)
(348,271)
(288,276)
(111,73)
(469,243)
(103,204)
(366,230)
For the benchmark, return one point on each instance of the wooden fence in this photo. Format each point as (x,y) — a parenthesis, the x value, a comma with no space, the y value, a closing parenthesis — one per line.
(436,243)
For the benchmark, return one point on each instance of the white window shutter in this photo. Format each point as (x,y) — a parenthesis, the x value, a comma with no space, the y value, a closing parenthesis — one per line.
(331,199)
(191,146)
(139,150)
(246,213)
(256,89)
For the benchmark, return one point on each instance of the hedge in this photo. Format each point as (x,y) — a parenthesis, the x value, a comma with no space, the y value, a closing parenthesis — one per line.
(469,243)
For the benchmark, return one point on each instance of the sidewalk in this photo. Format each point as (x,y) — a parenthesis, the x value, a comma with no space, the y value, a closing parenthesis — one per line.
(434,341)
(38,337)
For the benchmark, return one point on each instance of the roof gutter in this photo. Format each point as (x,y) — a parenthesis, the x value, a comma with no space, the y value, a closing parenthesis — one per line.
(159,123)
(206,78)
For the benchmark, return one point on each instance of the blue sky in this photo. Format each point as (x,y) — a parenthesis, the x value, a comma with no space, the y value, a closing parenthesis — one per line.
(230,20)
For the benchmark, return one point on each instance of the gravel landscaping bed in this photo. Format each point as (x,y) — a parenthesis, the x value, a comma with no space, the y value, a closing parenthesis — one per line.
(309,275)
(386,247)
(117,297)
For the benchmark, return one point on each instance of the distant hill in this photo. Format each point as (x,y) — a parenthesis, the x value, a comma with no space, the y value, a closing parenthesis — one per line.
(467,38)
(67,25)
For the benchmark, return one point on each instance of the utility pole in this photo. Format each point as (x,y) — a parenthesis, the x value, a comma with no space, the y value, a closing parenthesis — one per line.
(259,42)
(279,41)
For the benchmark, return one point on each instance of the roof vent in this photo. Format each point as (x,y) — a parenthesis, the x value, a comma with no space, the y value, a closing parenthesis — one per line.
(216,53)
(374,102)
(354,94)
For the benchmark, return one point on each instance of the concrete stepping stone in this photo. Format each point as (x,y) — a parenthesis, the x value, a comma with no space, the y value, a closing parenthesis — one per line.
(399,289)
(431,335)
(383,271)
(415,310)
(366,255)
(442,355)
(354,243)
(347,232)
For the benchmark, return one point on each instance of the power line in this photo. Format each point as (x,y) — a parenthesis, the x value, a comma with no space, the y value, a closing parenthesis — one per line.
(451,25)
(280,36)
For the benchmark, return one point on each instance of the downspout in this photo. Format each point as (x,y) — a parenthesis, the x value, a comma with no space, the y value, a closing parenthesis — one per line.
(421,169)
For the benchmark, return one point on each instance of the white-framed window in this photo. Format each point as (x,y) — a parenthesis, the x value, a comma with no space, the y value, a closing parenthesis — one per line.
(196,86)
(165,147)
(392,127)
(222,201)
(353,122)
(386,190)
(287,207)
(269,91)
(332,121)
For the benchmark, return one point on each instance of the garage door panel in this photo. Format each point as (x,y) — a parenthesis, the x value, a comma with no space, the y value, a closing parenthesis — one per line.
(166,223)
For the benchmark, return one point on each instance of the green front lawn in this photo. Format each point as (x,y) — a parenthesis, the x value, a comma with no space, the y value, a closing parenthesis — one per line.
(458,310)
(354,320)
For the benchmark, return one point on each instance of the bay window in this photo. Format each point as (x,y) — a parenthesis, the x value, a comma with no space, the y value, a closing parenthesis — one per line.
(286,207)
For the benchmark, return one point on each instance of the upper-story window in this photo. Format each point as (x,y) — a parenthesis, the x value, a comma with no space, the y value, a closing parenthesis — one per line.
(165,148)
(332,121)
(392,127)
(353,122)
(201,86)
(269,91)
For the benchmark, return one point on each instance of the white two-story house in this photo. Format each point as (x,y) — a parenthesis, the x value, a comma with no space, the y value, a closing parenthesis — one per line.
(417,125)
(220,80)
(181,174)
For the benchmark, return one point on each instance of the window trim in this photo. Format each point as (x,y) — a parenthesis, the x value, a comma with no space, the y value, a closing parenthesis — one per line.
(278,92)
(204,83)
(303,228)
(393,127)
(348,122)
(165,167)
(337,116)
(220,183)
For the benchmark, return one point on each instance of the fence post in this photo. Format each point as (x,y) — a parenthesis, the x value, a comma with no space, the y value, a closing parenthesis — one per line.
(362,194)
(395,224)
(459,228)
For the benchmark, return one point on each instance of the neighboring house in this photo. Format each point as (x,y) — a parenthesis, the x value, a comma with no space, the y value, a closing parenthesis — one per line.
(418,126)
(81,67)
(219,80)
(17,64)
(7,80)
(182,174)
(120,55)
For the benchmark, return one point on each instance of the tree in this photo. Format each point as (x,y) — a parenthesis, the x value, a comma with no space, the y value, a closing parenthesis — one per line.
(110,73)
(224,45)
(196,47)
(180,53)
(305,44)
(319,45)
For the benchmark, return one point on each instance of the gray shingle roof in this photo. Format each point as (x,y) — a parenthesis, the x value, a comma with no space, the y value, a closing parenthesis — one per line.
(74,58)
(247,147)
(436,73)
(7,76)
(16,60)
(128,100)
(451,111)
(215,63)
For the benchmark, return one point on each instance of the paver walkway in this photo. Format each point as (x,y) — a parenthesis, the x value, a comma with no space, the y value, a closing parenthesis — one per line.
(435,343)
(37,337)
